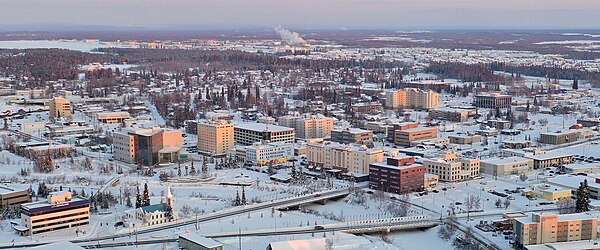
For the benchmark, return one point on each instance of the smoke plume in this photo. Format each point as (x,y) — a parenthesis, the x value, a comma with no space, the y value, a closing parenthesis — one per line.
(290,38)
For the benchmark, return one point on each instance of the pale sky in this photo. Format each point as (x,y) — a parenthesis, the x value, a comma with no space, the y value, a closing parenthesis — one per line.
(520,14)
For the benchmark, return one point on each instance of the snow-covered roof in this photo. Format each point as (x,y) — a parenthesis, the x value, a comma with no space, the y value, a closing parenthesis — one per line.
(201,240)
(260,127)
(306,244)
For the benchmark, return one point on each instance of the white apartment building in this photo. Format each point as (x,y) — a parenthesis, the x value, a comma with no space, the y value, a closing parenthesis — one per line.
(262,154)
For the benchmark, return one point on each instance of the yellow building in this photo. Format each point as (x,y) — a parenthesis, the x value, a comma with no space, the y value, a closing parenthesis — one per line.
(60,108)
(550,228)
(412,98)
(61,210)
(548,192)
(112,117)
(215,137)
(448,167)
(308,126)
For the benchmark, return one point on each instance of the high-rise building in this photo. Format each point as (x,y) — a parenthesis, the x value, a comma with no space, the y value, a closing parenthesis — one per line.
(450,168)
(147,146)
(215,137)
(408,136)
(347,158)
(412,98)
(60,108)
(494,100)
(308,126)
(550,228)
(250,133)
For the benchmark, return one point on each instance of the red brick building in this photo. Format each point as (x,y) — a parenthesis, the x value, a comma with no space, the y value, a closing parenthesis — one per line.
(397,175)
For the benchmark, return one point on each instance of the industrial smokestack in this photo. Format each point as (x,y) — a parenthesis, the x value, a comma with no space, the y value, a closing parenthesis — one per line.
(290,38)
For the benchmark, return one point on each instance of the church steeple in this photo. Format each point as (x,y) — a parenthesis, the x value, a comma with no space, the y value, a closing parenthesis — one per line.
(169,197)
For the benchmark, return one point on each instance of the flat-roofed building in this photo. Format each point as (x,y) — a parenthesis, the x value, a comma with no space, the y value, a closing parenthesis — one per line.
(262,154)
(567,136)
(464,139)
(551,159)
(398,175)
(112,117)
(215,137)
(347,158)
(450,168)
(250,133)
(453,115)
(61,210)
(506,166)
(11,197)
(492,101)
(412,98)
(194,241)
(431,180)
(550,228)
(574,181)
(406,137)
(60,108)
(147,146)
(308,126)
(352,135)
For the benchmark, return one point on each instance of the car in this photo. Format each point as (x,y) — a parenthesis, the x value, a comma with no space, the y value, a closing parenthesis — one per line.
(458,203)
(319,228)
(444,189)
(317,195)
(435,191)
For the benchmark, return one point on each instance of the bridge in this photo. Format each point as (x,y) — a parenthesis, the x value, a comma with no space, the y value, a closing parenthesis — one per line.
(317,198)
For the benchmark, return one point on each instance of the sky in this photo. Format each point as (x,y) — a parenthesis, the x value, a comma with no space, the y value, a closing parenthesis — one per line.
(305,14)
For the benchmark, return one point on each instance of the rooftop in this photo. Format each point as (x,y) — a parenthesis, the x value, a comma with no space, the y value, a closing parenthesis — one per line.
(255,126)
(500,161)
(201,240)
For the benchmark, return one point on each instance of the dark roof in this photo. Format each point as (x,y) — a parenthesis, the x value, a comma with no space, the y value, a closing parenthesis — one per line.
(154,208)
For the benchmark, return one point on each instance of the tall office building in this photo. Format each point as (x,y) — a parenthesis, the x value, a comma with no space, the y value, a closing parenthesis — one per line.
(450,168)
(215,137)
(60,108)
(347,158)
(550,228)
(249,133)
(147,146)
(60,211)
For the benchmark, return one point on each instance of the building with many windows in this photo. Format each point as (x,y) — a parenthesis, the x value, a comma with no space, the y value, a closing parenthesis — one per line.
(250,133)
(308,126)
(352,135)
(262,154)
(412,98)
(112,117)
(11,197)
(346,158)
(60,108)
(549,228)
(215,138)
(407,136)
(492,101)
(506,166)
(147,146)
(60,211)
(450,168)
(398,175)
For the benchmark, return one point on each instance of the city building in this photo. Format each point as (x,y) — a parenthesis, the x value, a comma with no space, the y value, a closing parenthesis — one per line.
(112,117)
(590,122)
(57,130)
(366,107)
(60,211)
(378,127)
(551,159)
(399,126)
(215,138)
(431,181)
(262,154)
(568,136)
(550,228)
(450,114)
(408,136)
(352,135)
(60,108)
(464,139)
(194,241)
(548,192)
(346,158)
(493,101)
(506,166)
(573,182)
(449,168)
(308,126)
(147,146)
(11,197)
(250,133)
(412,98)
(398,175)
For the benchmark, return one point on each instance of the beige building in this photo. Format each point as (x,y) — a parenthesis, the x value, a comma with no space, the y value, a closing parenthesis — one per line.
(550,228)
(61,210)
(352,135)
(412,98)
(407,136)
(430,181)
(112,117)
(348,158)
(252,132)
(568,136)
(453,115)
(308,126)
(10,197)
(215,137)
(147,146)
(552,159)
(464,139)
(449,168)
(60,108)
(506,166)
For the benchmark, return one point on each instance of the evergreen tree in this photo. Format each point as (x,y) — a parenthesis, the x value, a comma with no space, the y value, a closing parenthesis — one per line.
(138,198)
(146,198)
(244,196)
(575,84)
(237,200)
(582,204)
(128,201)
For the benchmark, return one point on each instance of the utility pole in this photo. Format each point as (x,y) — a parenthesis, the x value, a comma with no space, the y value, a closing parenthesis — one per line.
(240,237)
